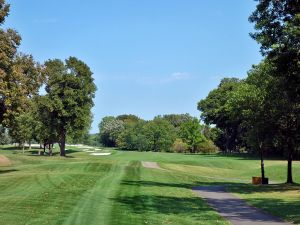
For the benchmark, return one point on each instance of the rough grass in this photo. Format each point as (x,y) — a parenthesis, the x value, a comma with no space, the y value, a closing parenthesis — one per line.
(83,189)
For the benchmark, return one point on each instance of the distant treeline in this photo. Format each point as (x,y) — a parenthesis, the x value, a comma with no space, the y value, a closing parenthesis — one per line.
(167,133)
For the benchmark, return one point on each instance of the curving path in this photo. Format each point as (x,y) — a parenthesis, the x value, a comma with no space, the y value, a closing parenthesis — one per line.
(234,209)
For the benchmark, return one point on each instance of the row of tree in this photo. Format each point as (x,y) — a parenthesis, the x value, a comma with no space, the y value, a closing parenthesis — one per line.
(168,133)
(64,110)
(261,113)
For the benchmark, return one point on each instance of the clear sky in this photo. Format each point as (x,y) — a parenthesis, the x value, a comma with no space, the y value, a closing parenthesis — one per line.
(149,57)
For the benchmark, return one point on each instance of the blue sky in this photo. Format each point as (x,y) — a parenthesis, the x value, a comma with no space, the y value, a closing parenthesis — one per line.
(149,57)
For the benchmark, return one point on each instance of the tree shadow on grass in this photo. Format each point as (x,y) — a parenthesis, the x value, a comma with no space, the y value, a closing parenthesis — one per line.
(35,152)
(240,188)
(178,185)
(7,171)
(144,204)
(10,148)
(283,208)
(194,207)
(249,189)
(239,156)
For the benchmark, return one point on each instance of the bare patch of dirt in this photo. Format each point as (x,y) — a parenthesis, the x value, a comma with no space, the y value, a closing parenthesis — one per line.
(4,161)
(151,165)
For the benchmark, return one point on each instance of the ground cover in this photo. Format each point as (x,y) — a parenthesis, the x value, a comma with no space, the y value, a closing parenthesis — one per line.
(117,189)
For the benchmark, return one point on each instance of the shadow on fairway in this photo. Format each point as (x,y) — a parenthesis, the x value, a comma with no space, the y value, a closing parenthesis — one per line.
(11,148)
(179,185)
(249,189)
(7,171)
(142,204)
(239,188)
(35,152)
(286,209)
(240,156)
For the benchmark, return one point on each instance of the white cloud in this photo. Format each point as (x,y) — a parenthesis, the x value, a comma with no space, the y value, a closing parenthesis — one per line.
(149,80)
(174,77)
(180,76)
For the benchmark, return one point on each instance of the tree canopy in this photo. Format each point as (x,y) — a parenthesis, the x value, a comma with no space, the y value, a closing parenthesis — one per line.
(70,92)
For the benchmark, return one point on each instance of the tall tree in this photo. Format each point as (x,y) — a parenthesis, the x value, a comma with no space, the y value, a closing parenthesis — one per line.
(45,131)
(10,40)
(23,130)
(253,103)
(277,25)
(160,135)
(190,132)
(23,83)
(20,76)
(109,130)
(213,111)
(70,92)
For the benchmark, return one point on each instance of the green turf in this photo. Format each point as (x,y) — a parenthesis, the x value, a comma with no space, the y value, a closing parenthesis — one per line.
(83,189)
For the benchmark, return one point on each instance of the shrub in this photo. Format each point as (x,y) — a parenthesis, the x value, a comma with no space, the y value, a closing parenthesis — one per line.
(207,147)
(179,146)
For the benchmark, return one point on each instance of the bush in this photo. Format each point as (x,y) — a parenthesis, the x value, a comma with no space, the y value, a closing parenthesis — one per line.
(207,147)
(179,146)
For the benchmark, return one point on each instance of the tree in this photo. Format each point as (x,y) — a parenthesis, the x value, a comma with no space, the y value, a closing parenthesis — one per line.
(4,136)
(20,76)
(128,119)
(252,104)
(90,139)
(24,129)
(109,130)
(10,41)
(161,135)
(177,119)
(213,111)
(190,132)
(70,92)
(156,135)
(45,130)
(277,25)
(132,137)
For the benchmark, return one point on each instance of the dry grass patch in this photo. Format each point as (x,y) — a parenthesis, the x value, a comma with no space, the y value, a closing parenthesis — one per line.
(4,161)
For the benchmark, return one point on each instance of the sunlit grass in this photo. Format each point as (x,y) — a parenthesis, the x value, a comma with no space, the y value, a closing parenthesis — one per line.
(116,189)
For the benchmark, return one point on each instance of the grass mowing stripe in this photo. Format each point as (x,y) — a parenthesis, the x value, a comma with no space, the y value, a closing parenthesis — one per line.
(94,207)
(127,216)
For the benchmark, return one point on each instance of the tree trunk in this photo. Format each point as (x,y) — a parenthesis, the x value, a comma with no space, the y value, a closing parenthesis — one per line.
(262,163)
(50,150)
(29,143)
(227,141)
(23,147)
(290,170)
(193,149)
(62,144)
(290,161)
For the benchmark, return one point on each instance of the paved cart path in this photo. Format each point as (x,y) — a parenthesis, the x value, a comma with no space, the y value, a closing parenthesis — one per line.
(234,209)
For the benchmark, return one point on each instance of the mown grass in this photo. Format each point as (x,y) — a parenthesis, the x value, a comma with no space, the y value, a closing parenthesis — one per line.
(83,189)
